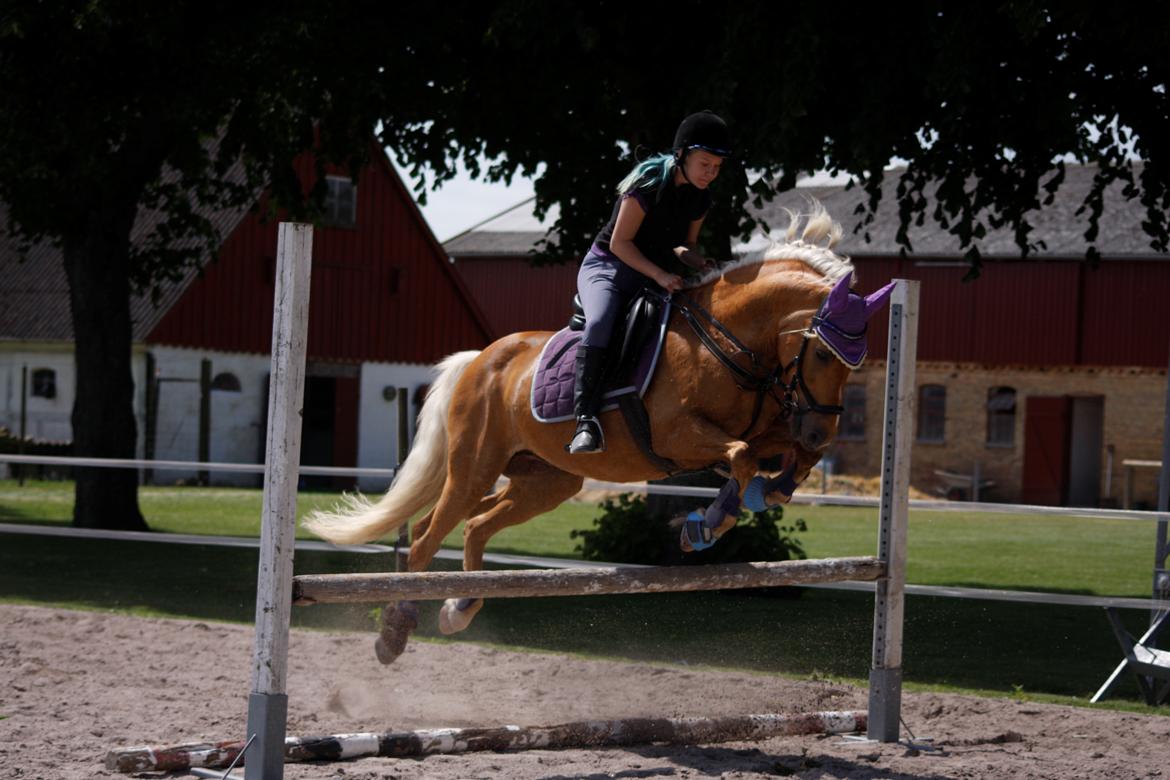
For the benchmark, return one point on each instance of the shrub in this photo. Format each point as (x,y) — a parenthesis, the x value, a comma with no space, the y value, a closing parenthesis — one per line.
(626,532)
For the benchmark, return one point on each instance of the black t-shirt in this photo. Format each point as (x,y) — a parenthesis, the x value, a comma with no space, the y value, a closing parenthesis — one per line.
(670,210)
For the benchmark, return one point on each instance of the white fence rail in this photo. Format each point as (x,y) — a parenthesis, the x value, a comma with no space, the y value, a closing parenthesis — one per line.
(186,465)
(810,499)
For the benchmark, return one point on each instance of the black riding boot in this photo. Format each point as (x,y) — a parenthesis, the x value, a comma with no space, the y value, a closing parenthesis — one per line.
(587,392)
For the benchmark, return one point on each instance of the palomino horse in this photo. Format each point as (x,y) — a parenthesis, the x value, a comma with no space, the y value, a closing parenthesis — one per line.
(476,423)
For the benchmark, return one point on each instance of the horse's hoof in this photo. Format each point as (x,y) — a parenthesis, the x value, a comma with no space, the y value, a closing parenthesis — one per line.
(453,617)
(688,541)
(388,652)
(398,620)
(777,498)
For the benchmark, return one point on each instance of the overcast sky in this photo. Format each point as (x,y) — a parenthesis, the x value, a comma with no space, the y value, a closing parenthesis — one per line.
(464,202)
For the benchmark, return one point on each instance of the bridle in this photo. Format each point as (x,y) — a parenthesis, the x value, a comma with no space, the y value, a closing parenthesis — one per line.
(795,397)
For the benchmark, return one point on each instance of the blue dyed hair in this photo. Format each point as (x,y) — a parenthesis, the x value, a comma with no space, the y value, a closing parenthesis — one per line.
(648,174)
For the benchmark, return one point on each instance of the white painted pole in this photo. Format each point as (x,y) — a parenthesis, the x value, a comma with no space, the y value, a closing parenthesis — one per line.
(268,703)
(885,677)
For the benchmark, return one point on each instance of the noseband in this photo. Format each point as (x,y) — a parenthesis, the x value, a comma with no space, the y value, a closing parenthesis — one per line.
(792,399)
(758,380)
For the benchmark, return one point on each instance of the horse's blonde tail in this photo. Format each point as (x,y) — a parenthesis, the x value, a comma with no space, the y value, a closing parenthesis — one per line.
(419,480)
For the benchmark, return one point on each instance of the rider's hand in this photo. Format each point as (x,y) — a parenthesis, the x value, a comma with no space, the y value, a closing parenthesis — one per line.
(695,260)
(669,282)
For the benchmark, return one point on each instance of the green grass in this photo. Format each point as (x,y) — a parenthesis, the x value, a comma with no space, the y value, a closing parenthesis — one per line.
(1016,552)
(236,512)
(1004,649)
(1020,552)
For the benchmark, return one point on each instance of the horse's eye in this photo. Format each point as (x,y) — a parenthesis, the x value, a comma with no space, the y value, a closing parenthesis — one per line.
(824,354)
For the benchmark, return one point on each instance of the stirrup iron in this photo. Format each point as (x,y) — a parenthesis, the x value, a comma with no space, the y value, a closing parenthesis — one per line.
(588,438)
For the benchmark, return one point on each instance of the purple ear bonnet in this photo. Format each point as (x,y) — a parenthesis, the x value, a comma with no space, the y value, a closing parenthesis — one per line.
(840,323)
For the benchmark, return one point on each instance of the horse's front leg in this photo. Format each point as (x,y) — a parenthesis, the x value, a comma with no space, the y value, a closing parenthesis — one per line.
(764,492)
(700,530)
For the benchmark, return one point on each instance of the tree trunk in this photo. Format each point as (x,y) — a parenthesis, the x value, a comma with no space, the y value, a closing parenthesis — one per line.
(97,265)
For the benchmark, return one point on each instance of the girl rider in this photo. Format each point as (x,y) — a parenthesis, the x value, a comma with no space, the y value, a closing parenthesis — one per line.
(650,237)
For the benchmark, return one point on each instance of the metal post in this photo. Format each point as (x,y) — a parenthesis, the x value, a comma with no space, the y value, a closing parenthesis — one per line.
(402,548)
(204,418)
(1161,576)
(23,422)
(885,677)
(150,422)
(268,704)
(1109,451)
(976,477)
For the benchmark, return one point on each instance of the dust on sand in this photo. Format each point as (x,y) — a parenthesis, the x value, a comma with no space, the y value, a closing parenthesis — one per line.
(75,684)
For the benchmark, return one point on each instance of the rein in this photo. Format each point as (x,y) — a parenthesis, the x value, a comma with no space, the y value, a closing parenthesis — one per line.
(758,380)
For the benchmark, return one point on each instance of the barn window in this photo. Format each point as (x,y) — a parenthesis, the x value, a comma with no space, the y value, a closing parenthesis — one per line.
(44,383)
(1001,416)
(932,413)
(853,418)
(226,381)
(340,201)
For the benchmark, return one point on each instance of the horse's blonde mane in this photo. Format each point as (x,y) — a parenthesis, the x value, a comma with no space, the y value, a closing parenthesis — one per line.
(813,247)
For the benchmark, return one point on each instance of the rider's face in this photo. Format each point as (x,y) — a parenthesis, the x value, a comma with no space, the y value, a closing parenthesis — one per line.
(702,167)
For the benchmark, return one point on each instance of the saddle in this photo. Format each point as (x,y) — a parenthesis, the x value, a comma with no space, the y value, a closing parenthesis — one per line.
(632,358)
(631,332)
(635,346)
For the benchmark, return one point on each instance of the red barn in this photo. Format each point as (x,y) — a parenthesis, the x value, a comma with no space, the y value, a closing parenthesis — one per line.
(385,305)
(514,295)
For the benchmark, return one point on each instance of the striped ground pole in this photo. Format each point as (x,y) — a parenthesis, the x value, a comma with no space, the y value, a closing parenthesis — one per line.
(581,734)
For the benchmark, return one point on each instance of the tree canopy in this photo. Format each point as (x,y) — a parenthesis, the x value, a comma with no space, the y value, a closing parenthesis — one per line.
(985,103)
(111,107)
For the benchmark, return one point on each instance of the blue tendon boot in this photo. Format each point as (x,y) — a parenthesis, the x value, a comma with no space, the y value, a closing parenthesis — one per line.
(755,497)
(698,530)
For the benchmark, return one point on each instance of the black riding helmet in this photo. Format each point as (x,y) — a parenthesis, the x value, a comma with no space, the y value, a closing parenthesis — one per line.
(704,130)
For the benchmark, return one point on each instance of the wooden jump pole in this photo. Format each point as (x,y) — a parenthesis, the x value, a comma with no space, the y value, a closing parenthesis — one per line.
(359,588)
(582,734)
(268,703)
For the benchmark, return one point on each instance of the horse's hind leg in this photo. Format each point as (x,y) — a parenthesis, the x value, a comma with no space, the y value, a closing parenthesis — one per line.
(472,469)
(522,499)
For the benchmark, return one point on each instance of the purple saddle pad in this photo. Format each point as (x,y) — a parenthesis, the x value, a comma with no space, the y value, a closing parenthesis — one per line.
(552,386)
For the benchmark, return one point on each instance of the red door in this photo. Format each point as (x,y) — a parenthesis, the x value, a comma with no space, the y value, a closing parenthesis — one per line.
(1047,428)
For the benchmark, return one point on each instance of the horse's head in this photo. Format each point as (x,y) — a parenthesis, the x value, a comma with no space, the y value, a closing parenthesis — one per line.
(818,357)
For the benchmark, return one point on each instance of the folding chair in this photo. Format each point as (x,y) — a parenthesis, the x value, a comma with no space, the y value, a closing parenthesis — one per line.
(1150,666)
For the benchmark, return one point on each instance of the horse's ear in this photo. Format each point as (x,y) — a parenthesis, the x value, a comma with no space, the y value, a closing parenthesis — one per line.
(876,300)
(838,297)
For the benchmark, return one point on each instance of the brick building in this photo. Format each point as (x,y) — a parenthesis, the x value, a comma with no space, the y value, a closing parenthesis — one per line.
(1045,374)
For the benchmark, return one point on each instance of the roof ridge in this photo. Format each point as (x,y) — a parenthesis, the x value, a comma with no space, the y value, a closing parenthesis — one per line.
(497,215)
